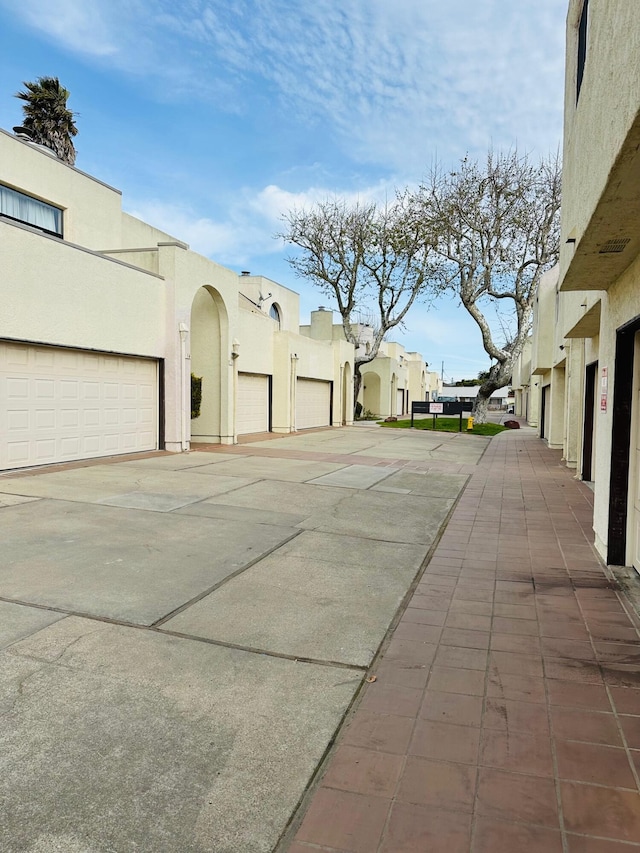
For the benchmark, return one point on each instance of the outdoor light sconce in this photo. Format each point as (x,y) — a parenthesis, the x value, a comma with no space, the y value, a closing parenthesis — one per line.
(235,350)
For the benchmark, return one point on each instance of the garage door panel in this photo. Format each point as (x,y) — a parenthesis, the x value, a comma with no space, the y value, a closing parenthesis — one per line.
(313,403)
(59,405)
(18,453)
(252,404)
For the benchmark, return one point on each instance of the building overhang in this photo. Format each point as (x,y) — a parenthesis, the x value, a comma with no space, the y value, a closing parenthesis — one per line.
(588,326)
(611,240)
(540,371)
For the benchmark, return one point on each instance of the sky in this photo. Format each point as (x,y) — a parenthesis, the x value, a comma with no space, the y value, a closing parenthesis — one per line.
(215,118)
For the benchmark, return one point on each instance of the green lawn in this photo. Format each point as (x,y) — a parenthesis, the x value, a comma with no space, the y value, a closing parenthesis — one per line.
(451,424)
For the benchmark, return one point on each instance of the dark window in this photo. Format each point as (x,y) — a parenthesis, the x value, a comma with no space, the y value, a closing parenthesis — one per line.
(582,46)
(274,313)
(31,211)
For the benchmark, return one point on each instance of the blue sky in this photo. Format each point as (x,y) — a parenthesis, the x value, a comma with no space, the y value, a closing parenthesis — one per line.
(214,117)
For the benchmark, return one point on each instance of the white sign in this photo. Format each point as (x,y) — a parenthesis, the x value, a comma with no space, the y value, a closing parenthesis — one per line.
(604,390)
(436,408)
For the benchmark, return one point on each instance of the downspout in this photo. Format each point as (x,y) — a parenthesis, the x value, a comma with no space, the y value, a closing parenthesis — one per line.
(294,370)
(235,354)
(185,388)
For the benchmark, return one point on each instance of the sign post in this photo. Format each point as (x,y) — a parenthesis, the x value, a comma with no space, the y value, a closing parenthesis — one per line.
(436,409)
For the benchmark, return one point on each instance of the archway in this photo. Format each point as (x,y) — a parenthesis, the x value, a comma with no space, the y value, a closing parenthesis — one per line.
(208,331)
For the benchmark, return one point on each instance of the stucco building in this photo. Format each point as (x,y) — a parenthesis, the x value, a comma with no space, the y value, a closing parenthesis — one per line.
(104,319)
(585,351)
(392,380)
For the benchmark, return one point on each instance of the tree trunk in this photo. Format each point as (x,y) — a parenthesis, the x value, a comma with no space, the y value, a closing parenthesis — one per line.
(481,405)
(357,384)
(499,377)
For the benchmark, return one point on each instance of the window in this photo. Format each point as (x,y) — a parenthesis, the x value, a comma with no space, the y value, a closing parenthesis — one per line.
(582,46)
(274,313)
(23,208)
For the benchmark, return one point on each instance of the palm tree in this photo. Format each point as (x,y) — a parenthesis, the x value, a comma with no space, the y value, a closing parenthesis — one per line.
(47,118)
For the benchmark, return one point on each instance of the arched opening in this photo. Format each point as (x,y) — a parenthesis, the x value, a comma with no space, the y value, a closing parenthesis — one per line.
(347,396)
(371,392)
(208,329)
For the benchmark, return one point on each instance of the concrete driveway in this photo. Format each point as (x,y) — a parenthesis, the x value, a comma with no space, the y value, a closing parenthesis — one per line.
(182,635)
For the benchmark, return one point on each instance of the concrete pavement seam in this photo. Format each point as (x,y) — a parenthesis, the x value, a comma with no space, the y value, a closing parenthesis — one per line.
(224,581)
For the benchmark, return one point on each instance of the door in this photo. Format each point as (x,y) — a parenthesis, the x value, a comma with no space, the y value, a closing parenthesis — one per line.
(545,412)
(252,405)
(313,403)
(400,405)
(634,472)
(588,440)
(61,405)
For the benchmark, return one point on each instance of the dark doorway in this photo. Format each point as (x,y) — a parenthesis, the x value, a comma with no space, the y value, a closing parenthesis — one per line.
(590,378)
(544,412)
(620,442)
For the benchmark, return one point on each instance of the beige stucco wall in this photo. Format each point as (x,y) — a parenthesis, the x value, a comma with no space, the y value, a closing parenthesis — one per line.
(521,380)
(596,127)
(91,209)
(54,292)
(545,316)
(137,234)
(417,382)
(264,293)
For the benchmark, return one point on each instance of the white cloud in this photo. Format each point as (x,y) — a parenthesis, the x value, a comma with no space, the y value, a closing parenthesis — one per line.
(250,222)
(80,27)
(232,241)
(392,81)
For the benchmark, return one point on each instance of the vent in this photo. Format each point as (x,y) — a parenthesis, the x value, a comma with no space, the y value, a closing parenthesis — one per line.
(612,246)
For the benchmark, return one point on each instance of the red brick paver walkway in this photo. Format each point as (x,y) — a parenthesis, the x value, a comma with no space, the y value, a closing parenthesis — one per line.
(505,715)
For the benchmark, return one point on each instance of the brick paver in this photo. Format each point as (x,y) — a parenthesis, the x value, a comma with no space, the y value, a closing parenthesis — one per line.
(505,714)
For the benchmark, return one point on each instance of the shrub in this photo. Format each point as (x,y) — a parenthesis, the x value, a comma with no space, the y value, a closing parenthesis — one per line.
(196,395)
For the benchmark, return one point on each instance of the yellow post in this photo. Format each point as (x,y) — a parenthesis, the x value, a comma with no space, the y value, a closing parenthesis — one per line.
(469,423)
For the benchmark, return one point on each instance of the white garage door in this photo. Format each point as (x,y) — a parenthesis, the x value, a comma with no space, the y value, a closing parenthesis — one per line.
(58,405)
(313,403)
(252,405)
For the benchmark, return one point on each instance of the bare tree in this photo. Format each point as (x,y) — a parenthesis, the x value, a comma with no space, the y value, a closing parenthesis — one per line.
(498,227)
(371,260)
